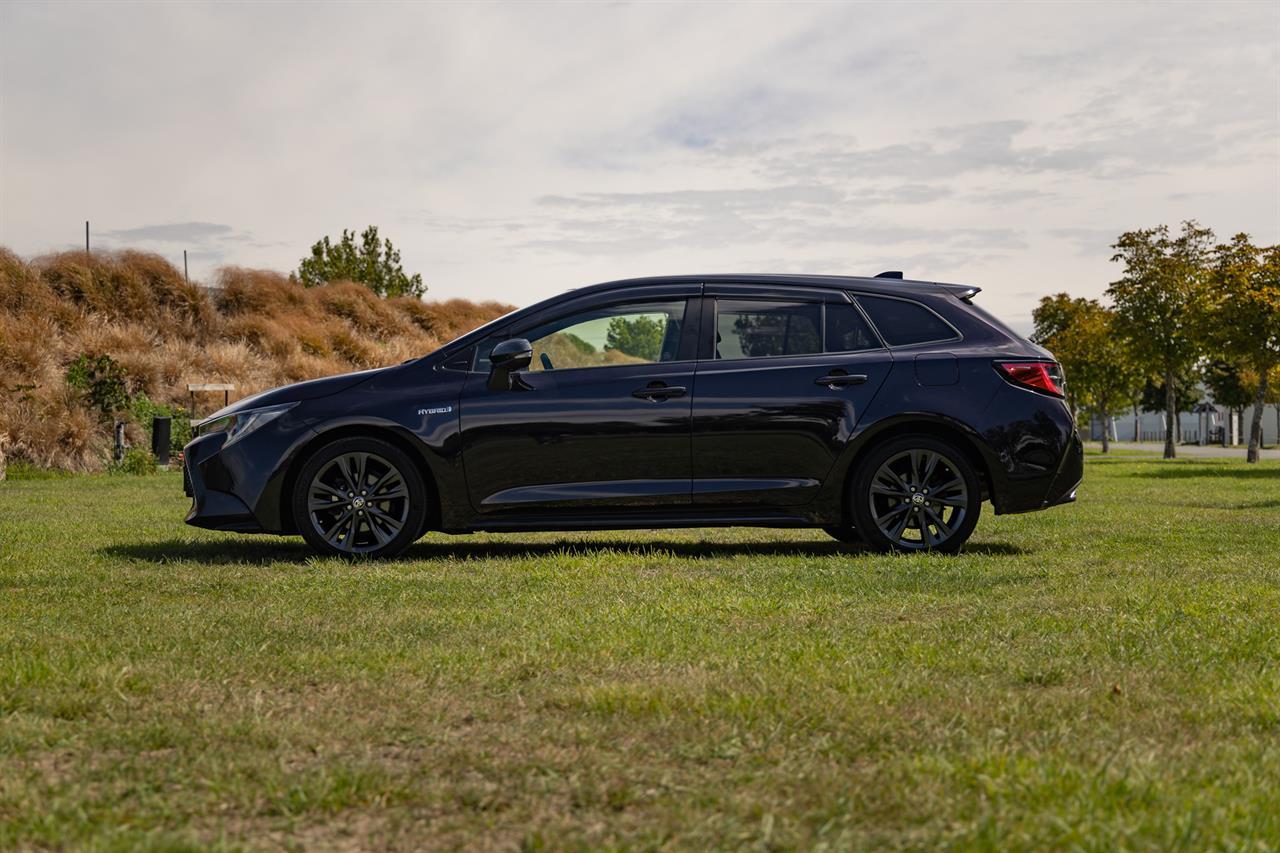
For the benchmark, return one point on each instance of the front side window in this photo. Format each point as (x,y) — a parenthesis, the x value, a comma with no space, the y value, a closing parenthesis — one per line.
(759,329)
(902,322)
(636,333)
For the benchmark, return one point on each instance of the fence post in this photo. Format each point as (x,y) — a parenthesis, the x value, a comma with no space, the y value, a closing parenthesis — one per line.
(119,448)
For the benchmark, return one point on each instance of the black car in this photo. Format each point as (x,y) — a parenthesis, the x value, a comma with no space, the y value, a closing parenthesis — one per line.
(881,410)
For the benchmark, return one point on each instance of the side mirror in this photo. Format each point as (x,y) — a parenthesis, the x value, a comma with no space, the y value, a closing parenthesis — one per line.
(507,358)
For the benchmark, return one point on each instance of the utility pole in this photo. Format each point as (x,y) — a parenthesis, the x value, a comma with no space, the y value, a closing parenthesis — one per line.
(86,239)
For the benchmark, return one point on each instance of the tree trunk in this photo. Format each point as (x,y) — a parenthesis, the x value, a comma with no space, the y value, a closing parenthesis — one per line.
(1255,428)
(1106,429)
(1170,404)
(1137,424)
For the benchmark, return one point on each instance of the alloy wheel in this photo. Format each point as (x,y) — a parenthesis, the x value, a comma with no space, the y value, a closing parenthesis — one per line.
(918,499)
(358,502)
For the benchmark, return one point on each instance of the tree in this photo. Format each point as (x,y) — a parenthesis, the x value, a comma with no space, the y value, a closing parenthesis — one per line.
(1154,397)
(640,337)
(1158,301)
(373,263)
(1100,369)
(1242,317)
(1053,316)
(1230,388)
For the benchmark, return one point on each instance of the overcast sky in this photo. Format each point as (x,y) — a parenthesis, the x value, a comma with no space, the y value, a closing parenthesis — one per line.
(514,151)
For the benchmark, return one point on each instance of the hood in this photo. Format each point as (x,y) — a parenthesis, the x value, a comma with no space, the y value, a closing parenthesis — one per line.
(308,390)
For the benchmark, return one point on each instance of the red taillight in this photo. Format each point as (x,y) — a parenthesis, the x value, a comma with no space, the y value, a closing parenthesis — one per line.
(1043,376)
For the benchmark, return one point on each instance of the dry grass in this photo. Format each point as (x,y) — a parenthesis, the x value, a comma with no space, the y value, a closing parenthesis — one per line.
(259,331)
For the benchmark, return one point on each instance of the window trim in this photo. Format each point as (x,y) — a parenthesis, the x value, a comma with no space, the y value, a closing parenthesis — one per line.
(714,324)
(956,334)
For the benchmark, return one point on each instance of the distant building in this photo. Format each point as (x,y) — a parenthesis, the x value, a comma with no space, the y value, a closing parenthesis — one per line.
(1215,421)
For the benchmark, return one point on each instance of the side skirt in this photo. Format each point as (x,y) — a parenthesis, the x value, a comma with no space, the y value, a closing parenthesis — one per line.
(633,520)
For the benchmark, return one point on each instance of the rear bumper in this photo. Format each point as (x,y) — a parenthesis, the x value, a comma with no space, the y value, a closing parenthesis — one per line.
(1070,475)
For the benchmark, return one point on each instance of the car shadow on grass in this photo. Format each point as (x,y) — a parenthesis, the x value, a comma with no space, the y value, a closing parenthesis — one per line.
(266,552)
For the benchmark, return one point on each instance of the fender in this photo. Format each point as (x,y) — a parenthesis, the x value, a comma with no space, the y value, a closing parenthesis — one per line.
(439,457)
(832,497)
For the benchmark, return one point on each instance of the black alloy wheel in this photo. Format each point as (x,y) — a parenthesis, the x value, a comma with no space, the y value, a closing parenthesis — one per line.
(916,493)
(360,497)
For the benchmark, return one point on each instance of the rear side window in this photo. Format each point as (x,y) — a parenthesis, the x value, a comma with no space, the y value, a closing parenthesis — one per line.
(847,329)
(758,329)
(902,322)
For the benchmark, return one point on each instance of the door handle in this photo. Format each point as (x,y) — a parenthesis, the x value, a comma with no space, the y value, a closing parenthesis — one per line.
(657,391)
(839,379)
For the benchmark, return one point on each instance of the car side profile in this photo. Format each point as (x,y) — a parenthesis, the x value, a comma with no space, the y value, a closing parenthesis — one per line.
(882,410)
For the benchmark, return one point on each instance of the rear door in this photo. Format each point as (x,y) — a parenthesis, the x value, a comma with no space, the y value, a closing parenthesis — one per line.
(783,377)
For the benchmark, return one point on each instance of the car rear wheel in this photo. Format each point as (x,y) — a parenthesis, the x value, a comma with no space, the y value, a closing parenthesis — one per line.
(360,497)
(916,493)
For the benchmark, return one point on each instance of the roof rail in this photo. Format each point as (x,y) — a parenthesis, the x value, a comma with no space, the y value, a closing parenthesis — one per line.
(890,274)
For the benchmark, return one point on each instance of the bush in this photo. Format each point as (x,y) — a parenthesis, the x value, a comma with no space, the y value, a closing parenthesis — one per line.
(144,411)
(137,461)
(102,380)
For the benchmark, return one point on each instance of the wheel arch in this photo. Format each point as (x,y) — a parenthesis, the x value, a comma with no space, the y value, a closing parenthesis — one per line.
(940,427)
(395,437)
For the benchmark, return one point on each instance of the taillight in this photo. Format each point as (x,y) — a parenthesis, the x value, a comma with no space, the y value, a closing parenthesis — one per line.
(1043,376)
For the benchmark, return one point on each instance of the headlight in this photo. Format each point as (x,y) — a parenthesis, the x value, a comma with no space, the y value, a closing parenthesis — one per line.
(240,424)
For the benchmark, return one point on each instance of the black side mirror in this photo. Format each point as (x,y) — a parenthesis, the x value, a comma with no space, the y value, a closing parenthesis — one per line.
(507,358)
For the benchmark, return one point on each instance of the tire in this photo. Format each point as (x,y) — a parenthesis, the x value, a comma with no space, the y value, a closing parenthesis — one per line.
(379,520)
(916,493)
(845,533)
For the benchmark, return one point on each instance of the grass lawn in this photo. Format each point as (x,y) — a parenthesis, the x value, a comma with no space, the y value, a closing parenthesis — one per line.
(1103,674)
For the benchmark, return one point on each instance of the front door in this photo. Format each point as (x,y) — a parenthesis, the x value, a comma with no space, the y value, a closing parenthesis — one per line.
(782,382)
(600,419)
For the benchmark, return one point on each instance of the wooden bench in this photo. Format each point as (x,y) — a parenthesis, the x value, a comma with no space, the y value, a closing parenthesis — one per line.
(224,387)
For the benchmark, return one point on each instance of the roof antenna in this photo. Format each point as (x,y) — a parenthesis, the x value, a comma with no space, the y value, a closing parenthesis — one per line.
(890,274)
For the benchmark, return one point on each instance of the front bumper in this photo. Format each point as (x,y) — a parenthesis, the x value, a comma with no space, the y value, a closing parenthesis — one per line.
(207,481)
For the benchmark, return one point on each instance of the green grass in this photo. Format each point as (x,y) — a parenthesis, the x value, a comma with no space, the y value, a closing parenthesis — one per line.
(1104,674)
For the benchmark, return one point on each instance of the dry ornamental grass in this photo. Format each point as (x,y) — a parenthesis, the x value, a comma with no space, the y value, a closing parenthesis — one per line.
(258,329)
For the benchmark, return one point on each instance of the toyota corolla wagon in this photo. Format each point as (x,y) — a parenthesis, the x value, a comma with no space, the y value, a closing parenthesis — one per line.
(881,410)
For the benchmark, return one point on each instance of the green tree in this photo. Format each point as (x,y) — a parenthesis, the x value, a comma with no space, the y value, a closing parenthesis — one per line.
(374,263)
(1242,317)
(1154,397)
(640,337)
(1100,369)
(1053,316)
(1158,302)
(1229,386)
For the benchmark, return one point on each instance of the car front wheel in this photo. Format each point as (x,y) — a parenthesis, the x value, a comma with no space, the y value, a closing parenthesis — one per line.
(360,497)
(916,493)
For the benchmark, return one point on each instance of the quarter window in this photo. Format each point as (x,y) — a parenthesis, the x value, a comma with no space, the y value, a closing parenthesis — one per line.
(902,322)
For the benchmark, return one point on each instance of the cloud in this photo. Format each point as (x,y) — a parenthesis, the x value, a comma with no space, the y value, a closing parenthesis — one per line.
(178,232)
(511,152)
